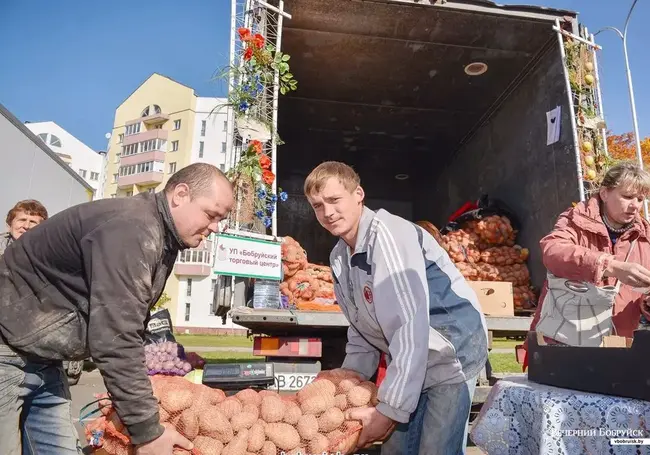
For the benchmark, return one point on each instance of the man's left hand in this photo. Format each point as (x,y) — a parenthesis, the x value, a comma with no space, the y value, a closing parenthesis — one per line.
(376,426)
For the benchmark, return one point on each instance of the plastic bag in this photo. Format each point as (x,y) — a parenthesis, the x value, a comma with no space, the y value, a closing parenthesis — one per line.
(159,328)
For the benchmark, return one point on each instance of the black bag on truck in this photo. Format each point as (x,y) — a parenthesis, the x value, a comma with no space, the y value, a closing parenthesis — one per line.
(159,328)
(486,207)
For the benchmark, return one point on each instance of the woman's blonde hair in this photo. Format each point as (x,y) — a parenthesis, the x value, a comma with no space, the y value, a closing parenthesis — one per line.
(316,179)
(627,175)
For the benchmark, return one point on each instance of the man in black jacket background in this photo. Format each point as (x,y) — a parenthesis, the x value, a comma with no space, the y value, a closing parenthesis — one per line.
(81,284)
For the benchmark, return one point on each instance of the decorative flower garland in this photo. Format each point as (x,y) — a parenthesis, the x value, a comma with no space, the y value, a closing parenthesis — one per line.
(252,175)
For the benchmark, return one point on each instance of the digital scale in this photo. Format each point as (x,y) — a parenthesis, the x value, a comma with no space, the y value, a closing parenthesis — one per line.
(238,376)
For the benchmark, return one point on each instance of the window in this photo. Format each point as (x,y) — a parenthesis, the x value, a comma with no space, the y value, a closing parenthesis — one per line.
(117,157)
(177,124)
(130,149)
(151,110)
(174,146)
(55,141)
(213,286)
(132,129)
(129,193)
(225,126)
(203,125)
(149,166)
(172,167)
(120,138)
(43,137)
(201,149)
(223,147)
(195,256)
(187,311)
(82,173)
(115,176)
(94,176)
(189,287)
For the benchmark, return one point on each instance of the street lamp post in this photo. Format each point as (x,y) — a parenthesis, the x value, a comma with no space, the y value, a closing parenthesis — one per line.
(628,72)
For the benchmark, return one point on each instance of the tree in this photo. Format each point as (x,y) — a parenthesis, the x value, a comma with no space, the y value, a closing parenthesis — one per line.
(162,301)
(622,147)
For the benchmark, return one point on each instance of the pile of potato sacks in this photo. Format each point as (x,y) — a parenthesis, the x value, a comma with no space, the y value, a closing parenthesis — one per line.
(485,250)
(250,422)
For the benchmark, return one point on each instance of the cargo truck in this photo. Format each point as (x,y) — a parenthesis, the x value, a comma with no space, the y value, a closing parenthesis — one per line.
(434,103)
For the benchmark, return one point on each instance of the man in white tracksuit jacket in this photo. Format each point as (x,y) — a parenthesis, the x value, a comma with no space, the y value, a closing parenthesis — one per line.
(404,297)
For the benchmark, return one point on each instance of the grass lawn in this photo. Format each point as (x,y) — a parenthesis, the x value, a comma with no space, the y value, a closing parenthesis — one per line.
(504,363)
(229,357)
(505,343)
(217,341)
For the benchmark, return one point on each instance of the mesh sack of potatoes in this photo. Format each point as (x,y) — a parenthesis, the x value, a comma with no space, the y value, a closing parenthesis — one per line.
(251,422)
(294,257)
(505,255)
(462,246)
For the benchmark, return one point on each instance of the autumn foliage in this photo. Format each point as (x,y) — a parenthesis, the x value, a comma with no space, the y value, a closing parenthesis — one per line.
(623,147)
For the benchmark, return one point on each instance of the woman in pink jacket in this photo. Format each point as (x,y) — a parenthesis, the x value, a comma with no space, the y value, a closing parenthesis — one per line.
(591,241)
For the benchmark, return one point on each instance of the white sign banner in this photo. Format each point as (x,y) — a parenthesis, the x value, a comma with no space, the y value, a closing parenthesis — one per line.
(248,257)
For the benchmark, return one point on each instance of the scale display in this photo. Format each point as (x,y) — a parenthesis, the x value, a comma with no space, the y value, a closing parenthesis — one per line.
(231,376)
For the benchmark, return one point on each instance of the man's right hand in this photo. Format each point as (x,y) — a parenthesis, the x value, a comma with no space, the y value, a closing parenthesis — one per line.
(164,445)
(629,273)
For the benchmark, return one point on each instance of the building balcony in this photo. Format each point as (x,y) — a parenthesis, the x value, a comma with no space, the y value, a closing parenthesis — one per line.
(145,136)
(192,269)
(154,155)
(143,178)
(155,119)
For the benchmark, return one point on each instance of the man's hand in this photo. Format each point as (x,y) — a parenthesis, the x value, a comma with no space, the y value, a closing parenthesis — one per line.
(376,426)
(164,445)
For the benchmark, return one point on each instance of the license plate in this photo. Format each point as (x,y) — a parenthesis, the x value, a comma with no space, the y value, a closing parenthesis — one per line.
(292,381)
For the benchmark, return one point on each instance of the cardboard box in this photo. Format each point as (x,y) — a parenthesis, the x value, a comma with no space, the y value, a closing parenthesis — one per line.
(496,297)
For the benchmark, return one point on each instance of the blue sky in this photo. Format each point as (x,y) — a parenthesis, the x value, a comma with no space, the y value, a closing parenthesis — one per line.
(74,62)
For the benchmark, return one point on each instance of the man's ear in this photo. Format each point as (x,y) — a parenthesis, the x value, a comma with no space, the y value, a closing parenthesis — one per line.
(361,195)
(180,194)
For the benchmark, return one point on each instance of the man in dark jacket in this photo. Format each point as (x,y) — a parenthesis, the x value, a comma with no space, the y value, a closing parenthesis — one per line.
(82,284)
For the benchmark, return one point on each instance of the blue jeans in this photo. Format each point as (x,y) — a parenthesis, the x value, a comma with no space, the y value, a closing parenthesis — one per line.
(439,425)
(35,414)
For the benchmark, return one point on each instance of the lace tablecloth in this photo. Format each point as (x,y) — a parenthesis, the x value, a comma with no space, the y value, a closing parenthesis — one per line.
(523,417)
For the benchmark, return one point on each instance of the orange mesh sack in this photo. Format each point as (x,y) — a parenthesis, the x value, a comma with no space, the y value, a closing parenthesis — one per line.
(251,422)
(294,257)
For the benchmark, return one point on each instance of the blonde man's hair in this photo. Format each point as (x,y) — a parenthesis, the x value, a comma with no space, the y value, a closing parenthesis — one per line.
(345,174)
(627,175)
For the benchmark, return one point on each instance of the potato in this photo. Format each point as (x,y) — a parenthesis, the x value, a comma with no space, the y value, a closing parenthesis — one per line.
(317,388)
(208,446)
(335,437)
(297,451)
(341,401)
(346,384)
(292,413)
(215,396)
(242,421)
(272,409)
(238,444)
(372,387)
(307,427)
(188,424)
(256,437)
(251,409)
(317,404)
(359,396)
(248,396)
(330,420)
(283,435)
(176,400)
(269,449)
(230,406)
(319,444)
(213,423)
(268,393)
(261,422)
(164,415)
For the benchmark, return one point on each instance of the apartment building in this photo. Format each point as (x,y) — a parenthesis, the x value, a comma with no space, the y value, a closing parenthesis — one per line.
(160,128)
(82,159)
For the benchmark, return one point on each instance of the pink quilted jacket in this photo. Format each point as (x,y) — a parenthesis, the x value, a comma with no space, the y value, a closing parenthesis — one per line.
(576,248)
